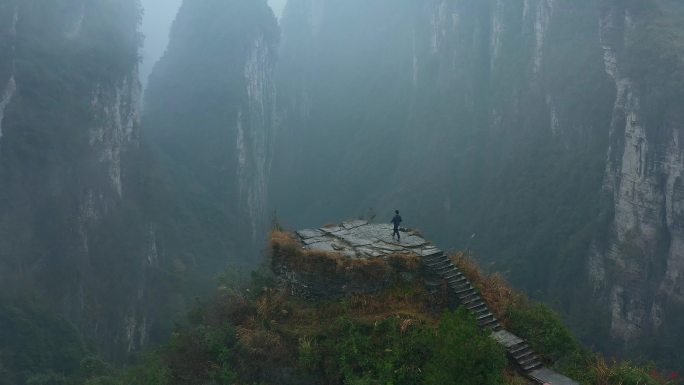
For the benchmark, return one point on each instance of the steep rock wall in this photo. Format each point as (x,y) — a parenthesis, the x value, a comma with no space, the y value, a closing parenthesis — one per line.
(210,112)
(69,120)
(541,133)
(637,269)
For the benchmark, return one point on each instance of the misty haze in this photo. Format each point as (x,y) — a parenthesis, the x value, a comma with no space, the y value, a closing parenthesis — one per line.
(376,192)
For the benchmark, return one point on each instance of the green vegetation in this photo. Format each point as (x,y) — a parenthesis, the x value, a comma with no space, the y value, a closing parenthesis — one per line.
(463,355)
(38,347)
(259,334)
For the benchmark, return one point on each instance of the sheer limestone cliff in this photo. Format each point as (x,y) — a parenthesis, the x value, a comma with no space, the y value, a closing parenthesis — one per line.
(113,226)
(69,122)
(638,268)
(210,110)
(542,133)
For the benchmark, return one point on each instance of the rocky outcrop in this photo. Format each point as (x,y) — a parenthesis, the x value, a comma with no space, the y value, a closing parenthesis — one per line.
(638,269)
(353,258)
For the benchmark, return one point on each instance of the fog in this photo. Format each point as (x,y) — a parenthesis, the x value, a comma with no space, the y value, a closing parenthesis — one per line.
(157,20)
(539,141)
(278,6)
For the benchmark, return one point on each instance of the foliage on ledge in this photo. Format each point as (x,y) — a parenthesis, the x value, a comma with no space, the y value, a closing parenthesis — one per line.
(257,333)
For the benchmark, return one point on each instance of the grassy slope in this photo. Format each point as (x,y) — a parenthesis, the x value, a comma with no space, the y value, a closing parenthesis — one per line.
(259,334)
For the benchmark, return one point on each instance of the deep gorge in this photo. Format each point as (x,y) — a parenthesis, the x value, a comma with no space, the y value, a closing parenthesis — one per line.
(543,135)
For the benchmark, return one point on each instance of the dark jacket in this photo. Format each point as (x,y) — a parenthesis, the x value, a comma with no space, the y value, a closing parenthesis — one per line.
(396,221)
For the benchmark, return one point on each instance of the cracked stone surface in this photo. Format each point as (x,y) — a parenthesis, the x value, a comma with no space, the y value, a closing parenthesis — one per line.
(360,239)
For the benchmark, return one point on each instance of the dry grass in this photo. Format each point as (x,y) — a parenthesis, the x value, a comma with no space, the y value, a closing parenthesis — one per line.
(261,345)
(405,301)
(232,306)
(288,251)
(614,372)
(307,319)
(494,289)
(271,305)
(405,262)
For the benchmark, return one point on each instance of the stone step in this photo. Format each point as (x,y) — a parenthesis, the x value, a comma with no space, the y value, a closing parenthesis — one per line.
(532,366)
(449,267)
(519,347)
(528,360)
(547,376)
(465,292)
(492,324)
(523,355)
(445,264)
(470,299)
(455,274)
(481,311)
(457,279)
(460,286)
(475,304)
(478,309)
(431,252)
(446,272)
(462,293)
(436,257)
(441,267)
(484,316)
(438,264)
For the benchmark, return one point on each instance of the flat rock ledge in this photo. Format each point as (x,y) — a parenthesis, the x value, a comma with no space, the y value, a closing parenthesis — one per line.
(360,239)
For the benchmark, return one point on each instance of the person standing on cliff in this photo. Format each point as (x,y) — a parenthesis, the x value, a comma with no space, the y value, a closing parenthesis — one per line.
(396,221)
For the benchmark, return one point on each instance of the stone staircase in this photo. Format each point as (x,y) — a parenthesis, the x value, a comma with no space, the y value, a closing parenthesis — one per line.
(519,351)
(463,289)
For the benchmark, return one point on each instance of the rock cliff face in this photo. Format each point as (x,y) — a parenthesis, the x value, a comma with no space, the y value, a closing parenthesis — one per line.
(69,122)
(255,131)
(638,268)
(115,226)
(543,133)
(210,109)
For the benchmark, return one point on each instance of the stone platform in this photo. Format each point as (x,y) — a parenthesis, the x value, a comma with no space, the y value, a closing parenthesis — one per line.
(360,239)
(548,376)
